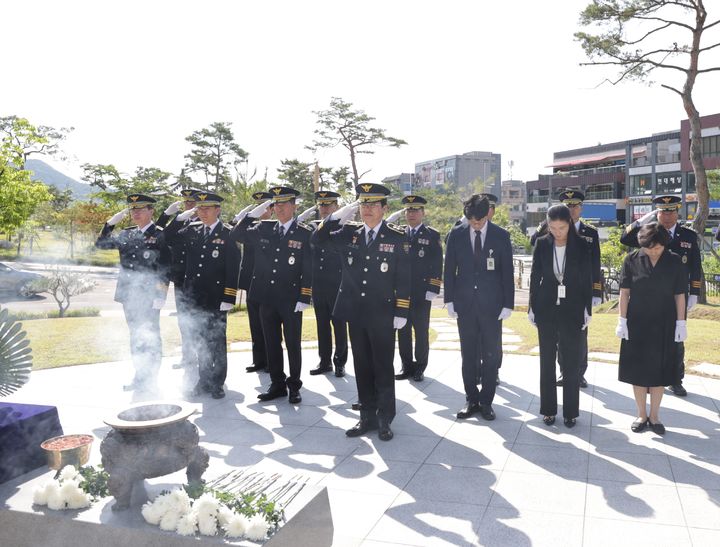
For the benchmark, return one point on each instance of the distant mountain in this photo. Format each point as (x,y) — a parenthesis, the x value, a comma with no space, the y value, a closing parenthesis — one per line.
(47,174)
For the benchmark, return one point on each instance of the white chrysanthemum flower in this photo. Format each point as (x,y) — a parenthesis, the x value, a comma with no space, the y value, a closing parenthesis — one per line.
(207,504)
(68,473)
(224,515)
(163,502)
(257,527)
(152,513)
(77,499)
(169,521)
(55,500)
(179,501)
(207,524)
(40,494)
(187,525)
(236,526)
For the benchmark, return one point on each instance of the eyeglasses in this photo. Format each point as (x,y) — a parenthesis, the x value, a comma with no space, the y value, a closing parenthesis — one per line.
(370,205)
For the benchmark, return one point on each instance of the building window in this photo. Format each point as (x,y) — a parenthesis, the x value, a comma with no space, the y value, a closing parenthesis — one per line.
(641,155)
(668,151)
(599,191)
(640,185)
(690,183)
(711,146)
(669,183)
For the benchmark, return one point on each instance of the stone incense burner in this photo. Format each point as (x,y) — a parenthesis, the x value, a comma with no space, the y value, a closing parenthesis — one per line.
(147,440)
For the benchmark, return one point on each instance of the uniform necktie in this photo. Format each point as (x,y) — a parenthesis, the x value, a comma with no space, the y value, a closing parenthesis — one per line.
(206,233)
(478,243)
(281,230)
(371,236)
(412,234)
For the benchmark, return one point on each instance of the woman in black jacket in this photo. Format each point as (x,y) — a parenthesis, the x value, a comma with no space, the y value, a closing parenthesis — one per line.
(560,308)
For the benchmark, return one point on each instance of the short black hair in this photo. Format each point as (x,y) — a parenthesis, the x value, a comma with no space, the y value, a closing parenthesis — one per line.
(559,212)
(651,234)
(476,206)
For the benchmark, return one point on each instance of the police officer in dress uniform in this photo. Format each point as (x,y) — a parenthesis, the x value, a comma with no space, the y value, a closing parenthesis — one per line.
(281,282)
(327,272)
(211,278)
(684,243)
(142,284)
(374,298)
(177,276)
(480,292)
(259,353)
(426,274)
(574,200)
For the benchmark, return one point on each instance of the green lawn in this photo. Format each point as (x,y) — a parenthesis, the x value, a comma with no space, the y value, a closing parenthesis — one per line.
(51,249)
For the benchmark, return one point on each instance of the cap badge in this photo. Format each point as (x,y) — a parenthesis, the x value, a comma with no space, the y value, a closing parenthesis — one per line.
(366,187)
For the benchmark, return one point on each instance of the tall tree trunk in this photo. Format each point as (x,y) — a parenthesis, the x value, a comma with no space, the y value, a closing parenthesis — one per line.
(356,178)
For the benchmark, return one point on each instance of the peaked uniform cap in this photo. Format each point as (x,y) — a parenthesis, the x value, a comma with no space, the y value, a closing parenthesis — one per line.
(414,202)
(326,197)
(371,192)
(138,201)
(207,199)
(261,196)
(283,193)
(667,203)
(572,197)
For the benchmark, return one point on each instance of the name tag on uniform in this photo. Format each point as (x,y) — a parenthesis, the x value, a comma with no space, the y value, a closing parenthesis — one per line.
(491,264)
(561,291)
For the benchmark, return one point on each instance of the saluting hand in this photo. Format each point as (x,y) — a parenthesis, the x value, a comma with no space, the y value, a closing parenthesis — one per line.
(396,215)
(117,217)
(259,210)
(307,213)
(173,208)
(182,217)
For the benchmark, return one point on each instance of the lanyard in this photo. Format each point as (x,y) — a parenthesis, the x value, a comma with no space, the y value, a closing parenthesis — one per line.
(561,273)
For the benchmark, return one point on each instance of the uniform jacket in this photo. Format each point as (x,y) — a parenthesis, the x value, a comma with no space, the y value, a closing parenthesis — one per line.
(426,262)
(590,235)
(577,280)
(469,285)
(327,270)
(684,244)
(375,284)
(246,267)
(282,273)
(144,261)
(177,253)
(212,265)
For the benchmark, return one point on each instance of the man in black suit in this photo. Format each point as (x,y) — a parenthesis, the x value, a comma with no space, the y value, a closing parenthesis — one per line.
(574,200)
(685,244)
(142,284)
(480,292)
(374,298)
(426,272)
(282,283)
(327,272)
(257,337)
(188,359)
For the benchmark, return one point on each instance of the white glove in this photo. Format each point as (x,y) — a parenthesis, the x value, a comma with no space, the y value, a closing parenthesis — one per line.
(117,217)
(399,322)
(531,317)
(463,221)
(185,215)
(596,300)
(242,214)
(259,210)
(429,295)
(344,214)
(680,331)
(225,306)
(647,218)
(307,213)
(504,314)
(396,215)
(692,300)
(621,331)
(587,319)
(451,310)
(158,303)
(301,306)
(173,208)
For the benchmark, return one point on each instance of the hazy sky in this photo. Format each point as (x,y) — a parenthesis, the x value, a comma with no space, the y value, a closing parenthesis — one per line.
(135,78)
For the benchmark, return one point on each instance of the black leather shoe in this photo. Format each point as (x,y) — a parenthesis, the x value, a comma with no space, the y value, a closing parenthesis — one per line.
(217,393)
(384,431)
(679,390)
(569,422)
(548,420)
(356,406)
(404,375)
(295,397)
(321,369)
(583,382)
(255,368)
(487,412)
(339,371)
(639,425)
(658,428)
(272,393)
(559,381)
(468,410)
(360,428)
(418,376)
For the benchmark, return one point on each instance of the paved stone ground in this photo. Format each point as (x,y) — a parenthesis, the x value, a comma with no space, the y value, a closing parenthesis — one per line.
(441,481)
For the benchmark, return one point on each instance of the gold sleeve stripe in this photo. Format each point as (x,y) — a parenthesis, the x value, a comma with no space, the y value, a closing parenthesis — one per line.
(597,286)
(696,283)
(402,305)
(306,291)
(231,292)
(435,282)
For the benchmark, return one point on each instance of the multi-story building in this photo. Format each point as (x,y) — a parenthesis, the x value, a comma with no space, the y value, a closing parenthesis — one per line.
(404,181)
(621,179)
(513,195)
(472,171)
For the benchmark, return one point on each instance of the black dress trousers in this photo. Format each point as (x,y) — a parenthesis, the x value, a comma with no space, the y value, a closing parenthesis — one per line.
(479,336)
(560,334)
(212,347)
(323,305)
(259,353)
(278,320)
(419,321)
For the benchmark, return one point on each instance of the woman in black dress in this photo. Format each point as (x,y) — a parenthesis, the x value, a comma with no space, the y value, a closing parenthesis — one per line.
(653,282)
(560,307)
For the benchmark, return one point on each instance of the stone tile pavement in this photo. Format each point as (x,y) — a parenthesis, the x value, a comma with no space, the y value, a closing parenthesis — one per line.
(441,481)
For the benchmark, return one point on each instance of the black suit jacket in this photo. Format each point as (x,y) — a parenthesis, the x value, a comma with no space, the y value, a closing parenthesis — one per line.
(467,285)
(426,262)
(375,285)
(327,270)
(577,280)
